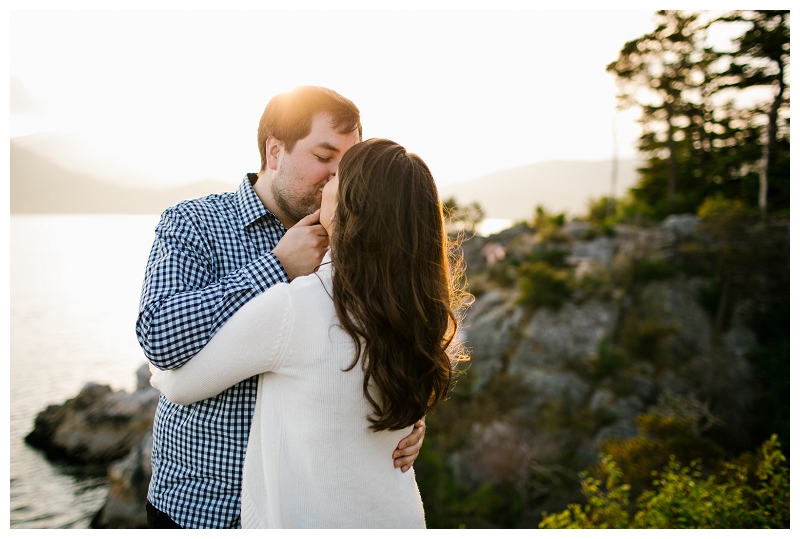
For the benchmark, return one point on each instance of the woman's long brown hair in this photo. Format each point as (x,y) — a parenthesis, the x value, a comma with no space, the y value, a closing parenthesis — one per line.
(394,287)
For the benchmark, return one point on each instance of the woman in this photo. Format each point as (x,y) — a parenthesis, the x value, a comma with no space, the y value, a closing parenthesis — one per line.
(351,356)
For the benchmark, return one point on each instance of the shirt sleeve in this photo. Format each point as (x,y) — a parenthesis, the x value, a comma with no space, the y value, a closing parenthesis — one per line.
(252,341)
(183,302)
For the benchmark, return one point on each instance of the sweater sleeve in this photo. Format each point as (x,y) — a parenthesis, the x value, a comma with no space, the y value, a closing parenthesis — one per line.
(252,341)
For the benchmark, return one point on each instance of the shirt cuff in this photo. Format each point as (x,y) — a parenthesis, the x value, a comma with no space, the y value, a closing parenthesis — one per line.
(265,272)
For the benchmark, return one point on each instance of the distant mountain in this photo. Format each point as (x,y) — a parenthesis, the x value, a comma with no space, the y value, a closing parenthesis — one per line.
(556,185)
(55,173)
(76,154)
(39,185)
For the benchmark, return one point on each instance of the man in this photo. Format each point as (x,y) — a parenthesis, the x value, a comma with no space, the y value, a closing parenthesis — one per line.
(210,256)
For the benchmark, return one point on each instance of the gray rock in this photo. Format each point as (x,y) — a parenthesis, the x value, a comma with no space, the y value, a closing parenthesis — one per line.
(682,226)
(522,247)
(471,250)
(554,339)
(98,426)
(670,382)
(128,479)
(626,233)
(739,339)
(496,452)
(622,430)
(577,229)
(548,387)
(627,408)
(674,302)
(505,237)
(493,298)
(601,249)
(644,388)
(488,331)
(143,377)
(601,400)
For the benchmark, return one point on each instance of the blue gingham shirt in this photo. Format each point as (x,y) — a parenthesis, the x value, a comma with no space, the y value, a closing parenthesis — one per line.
(210,256)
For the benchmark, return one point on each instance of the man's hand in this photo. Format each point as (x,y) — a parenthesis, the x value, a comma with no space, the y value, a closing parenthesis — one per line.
(408,449)
(302,247)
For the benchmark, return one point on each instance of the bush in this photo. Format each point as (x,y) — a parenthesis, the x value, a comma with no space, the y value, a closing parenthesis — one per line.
(725,219)
(503,273)
(451,505)
(662,437)
(653,270)
(541,285)
(554,256)
(548,227)
(596,282)
(608,361)
(642,338)
(597,210)
(683,499)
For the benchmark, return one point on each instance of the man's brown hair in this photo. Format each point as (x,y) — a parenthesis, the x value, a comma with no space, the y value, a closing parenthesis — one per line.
(288,116)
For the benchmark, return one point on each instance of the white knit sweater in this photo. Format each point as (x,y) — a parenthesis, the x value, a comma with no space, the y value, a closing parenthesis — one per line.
(311,461)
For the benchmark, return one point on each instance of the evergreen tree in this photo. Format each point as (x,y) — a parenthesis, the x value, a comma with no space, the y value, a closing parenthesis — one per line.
(761,59)
(664,72)
(698,140)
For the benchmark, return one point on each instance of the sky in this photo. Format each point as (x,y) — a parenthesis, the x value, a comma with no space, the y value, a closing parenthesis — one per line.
(177,95)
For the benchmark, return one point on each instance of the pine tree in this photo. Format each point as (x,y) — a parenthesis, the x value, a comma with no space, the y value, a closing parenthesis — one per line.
(761,59)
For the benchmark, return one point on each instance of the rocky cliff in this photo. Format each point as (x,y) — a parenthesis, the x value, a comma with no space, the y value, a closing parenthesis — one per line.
(551,378)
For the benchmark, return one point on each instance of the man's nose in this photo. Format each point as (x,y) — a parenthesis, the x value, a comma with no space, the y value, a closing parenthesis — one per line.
(332,170)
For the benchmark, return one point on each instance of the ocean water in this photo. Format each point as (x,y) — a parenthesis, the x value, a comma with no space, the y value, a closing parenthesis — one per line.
(75,284)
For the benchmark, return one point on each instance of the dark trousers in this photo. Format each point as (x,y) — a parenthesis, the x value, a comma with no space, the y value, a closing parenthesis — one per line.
(158,519)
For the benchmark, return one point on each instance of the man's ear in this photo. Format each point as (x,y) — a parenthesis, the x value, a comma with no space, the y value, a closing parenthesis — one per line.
(274,150)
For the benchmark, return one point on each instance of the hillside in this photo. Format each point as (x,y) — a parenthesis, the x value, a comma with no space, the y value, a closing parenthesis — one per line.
(556,185)
(51,173)
(39,185)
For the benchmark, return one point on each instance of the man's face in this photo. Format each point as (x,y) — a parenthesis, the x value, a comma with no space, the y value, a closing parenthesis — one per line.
(301,175)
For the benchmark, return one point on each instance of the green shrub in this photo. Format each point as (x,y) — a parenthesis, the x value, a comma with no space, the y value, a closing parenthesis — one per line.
(605,508)
(552,234)
(682,498)
(597,210)
(548,226)
(708,296)
(541,285)
(642,338)
(553,256)
(608,361)
(653,270)
(542,218)
(662,437)
(503,273)
(772,365)
(596,283)
(449,504)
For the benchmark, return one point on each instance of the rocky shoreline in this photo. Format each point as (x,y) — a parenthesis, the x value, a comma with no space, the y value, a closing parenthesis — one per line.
(109,430)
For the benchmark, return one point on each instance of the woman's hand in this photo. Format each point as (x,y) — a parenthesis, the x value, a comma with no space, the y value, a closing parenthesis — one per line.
(408,449)
(156,376)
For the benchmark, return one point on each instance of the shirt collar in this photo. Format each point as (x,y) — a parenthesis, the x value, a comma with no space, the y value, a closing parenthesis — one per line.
(250,206)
